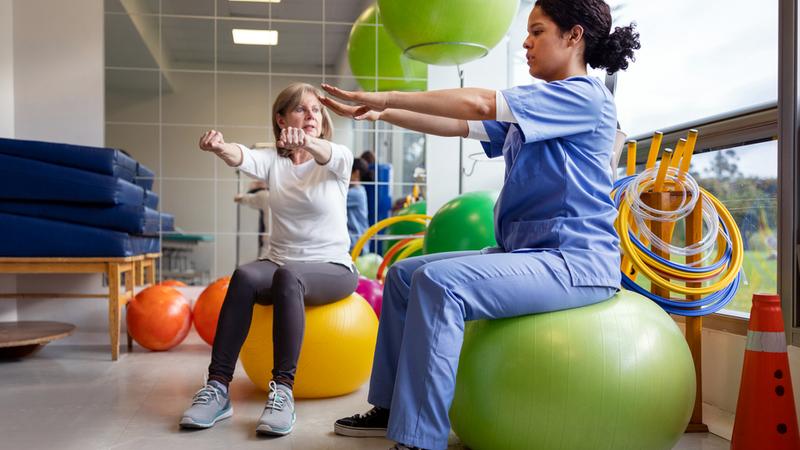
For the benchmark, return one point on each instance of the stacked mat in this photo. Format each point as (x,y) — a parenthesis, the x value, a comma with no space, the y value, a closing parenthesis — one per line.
(75,201)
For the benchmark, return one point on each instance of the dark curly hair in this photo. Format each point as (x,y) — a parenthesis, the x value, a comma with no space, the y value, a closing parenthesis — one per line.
(603,50)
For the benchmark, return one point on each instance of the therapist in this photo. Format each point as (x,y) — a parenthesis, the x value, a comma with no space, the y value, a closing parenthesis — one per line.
(553,220)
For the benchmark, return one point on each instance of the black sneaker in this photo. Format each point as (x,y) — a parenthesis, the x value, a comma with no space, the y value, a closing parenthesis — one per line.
(371,424)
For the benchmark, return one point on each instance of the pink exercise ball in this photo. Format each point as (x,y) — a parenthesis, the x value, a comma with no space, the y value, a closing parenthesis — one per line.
(372,291)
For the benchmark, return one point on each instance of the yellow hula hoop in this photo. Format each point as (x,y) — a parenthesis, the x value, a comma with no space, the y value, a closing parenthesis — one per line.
(410,248)
(373,230)
(737,255)
(402,253)
(674,273)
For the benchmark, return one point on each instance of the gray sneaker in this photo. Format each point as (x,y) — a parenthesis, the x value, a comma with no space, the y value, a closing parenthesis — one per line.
(209,405)
(278,416)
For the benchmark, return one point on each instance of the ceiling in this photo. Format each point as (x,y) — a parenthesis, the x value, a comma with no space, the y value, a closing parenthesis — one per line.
(313,35)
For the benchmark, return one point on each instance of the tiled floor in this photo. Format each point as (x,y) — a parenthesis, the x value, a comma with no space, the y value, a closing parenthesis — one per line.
(71,397)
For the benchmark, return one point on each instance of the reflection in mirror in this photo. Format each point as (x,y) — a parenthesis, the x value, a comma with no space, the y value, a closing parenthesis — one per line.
(131,41)
(173,73)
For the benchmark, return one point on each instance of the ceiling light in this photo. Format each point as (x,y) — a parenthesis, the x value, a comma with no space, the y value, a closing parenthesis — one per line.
(255,37)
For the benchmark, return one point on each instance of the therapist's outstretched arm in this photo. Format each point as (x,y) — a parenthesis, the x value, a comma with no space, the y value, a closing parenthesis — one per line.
(463,103)
(423,123)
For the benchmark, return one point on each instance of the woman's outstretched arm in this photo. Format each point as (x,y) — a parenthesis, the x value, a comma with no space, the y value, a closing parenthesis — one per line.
(423,123)
(212,141)
(464,103)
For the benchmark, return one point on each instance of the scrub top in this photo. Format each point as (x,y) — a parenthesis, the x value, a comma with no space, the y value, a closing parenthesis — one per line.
(556,194)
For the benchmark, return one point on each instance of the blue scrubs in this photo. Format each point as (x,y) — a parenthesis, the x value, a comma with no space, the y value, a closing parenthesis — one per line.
(557,249)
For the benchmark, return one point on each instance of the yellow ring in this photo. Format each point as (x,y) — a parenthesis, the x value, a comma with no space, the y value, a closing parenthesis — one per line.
(371,231)
(737,255)
(410,248)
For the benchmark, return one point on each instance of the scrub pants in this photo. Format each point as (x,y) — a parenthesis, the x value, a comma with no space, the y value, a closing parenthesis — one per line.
(426,301)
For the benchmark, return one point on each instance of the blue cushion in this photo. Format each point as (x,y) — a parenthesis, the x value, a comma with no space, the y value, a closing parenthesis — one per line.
(106,161)
(167,222)
(27,179)
(134,219)
(35,237)
(151,199)
(144,176)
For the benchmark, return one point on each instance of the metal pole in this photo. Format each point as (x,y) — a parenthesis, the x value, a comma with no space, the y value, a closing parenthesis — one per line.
(238,213)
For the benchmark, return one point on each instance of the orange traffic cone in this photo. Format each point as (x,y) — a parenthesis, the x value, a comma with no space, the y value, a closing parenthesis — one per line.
(765,413)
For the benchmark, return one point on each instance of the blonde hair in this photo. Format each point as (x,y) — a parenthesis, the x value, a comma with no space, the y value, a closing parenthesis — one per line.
(286,101)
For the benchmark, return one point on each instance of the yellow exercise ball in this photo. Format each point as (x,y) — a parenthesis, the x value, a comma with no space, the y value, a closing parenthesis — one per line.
(338,346)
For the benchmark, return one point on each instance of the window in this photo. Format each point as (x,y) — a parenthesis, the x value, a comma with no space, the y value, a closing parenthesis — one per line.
(745,179)
(698,59)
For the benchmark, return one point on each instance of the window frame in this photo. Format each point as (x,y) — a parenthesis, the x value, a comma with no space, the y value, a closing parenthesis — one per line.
(788,129)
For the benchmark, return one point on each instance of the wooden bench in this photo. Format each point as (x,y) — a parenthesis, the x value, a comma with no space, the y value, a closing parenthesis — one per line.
(123,274)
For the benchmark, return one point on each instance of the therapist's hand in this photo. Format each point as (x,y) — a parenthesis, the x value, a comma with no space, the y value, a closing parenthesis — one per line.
(367,101)
(349,111)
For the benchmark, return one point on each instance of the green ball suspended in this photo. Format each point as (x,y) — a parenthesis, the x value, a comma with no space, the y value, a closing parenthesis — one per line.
(407,228)
(617,374)
(395,71)
(447,32)
(464,223)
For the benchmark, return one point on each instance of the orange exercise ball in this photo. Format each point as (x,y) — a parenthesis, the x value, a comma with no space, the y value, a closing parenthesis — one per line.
(173,283)
(159,318)
(207,308)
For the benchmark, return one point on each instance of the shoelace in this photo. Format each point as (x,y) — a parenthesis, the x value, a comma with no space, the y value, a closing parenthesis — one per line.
(205,394)
(367,414)
(276,398)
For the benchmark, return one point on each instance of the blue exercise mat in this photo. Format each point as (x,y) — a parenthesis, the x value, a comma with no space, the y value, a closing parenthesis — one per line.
(27,179)
(144,176)
(133,219)
(167,222)
(151,199)
(34,237)
(106,161)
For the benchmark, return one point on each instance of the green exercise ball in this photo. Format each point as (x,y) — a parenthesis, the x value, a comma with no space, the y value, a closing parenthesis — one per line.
(447,32)
(396,72)
(617,374)
(406,228)
(368,264)
(464,223)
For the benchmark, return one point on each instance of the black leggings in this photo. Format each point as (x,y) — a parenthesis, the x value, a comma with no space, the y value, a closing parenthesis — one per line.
(289,288)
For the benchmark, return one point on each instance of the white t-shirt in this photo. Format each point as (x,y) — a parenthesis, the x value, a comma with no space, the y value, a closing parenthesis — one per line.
(308,203)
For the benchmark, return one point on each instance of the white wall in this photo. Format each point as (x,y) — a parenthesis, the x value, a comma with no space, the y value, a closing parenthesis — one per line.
(58,70)
(6,70)
(723,357)
(441,153)
(8,283)
(58,96)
